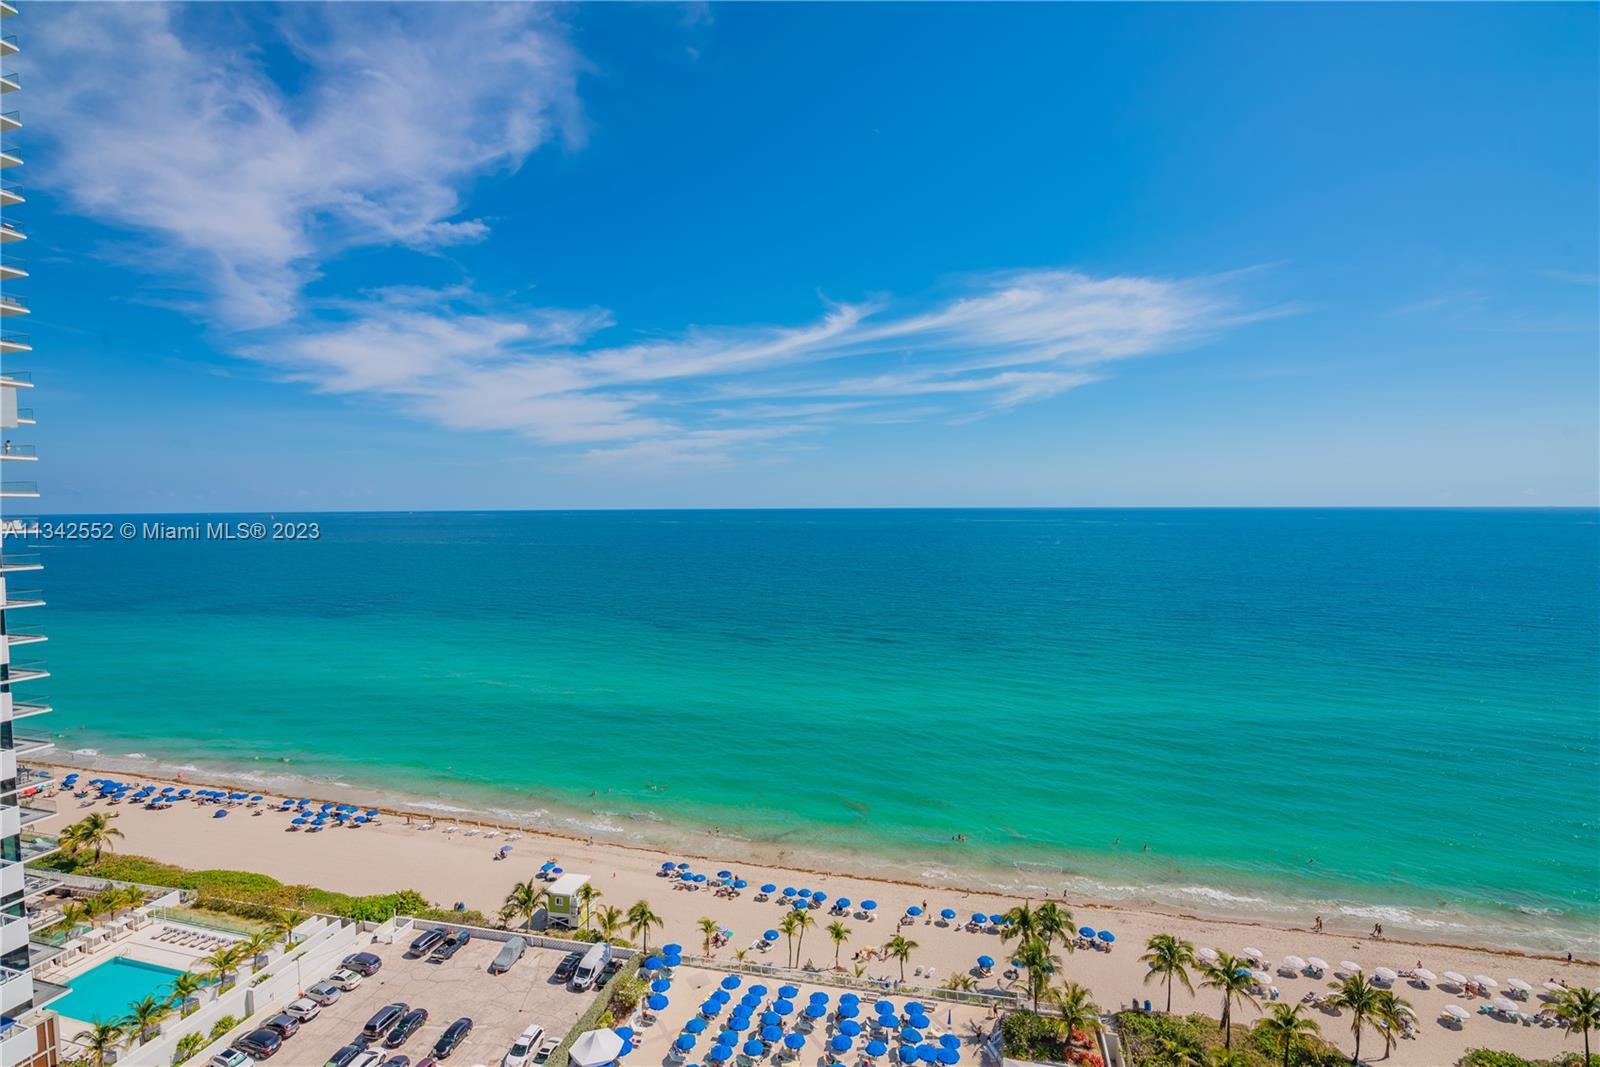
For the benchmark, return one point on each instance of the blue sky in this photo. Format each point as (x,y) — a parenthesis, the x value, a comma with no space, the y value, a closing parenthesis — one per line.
(351,256)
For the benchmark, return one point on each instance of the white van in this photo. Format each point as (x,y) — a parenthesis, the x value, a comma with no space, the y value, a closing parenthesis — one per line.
(592,967)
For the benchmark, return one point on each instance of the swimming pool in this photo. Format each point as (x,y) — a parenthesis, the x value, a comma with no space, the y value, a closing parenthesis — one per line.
(104,991)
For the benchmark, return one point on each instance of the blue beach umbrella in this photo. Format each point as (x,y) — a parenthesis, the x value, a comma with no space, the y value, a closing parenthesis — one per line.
(914,911)
(740,883)
(947,913)
(849,1028)
(849,998)
(876,1048)
(710,1007)
(986,962)
(667,866)
(948,1056)
(927,1053)
(624,1032)
(796,1042)
(738,1023)
(770,1018)
(299,821)
(884,1007)
(783,1007)
(804,893)
(910,1036)
(770,935)
(915,1008)
(219,815)
(654,963)
(816,1011)
(684,1043)
(771,1034)
(720,1054)
(788,890)
(696,1025)
(906,1054)
(1107,936)
(697,878)
(847,1011)
(769,888)
(754,1048)
(919,1021)
(724,874)
(788,992)
(869,905)
(758,990)
(949,1041)
(840,1043)
(672,950)
(819,997)
(683,866)
(661,985)
(720,996)
(1085,931)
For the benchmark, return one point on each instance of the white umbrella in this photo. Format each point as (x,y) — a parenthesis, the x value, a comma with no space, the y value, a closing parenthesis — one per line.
(1207,955)
(1262,976)
(595,1048)
(1455,976)
(1384,974)
(1519,985)
(1457,1012)
(1351,966)
(1294,963)
(1555,987)
(1424,974)
(1485,981)
(1316,963)
(1503,1004)
(1254,953)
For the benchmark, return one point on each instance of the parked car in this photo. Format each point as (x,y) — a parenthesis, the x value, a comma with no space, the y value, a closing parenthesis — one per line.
(408,1024)
(303,1008)
(524,1047)
(427,1061)
(367,1058)
(324,993)
(286,1025)
(346,979)
(592,967)
(425,942)
(568,964)
(384,1018)
(451,945)
(509,954)
(260,1044)
(546,1047)
(452,1037)
(230,1057)
(363,963)
(345,1056)
(397,1061)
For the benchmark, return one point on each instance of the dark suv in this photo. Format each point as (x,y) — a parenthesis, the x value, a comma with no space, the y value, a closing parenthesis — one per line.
(451,945)
(363,963)
(286,1025)
(452,1037)
(382,1019)
(568,964)
(425,943)
(260,1045)
(409,1023)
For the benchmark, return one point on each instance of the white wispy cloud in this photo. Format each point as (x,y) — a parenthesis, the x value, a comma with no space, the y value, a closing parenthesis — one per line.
(169,121)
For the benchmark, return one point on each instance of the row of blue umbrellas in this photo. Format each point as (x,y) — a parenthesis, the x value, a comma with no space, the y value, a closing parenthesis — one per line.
(913,1050)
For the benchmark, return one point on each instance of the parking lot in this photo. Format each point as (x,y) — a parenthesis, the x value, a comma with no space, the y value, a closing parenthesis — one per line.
(500,1006)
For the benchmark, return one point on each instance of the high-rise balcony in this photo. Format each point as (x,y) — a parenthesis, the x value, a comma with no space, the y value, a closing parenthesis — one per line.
(11,229)
(9,83)
(15,379)
(24,746)
(20,635)
(25,671)
(18,490)
(8,45)
(12,268)
(25,417)
(11,304)
(12,562)
(7,9)
(10,120)
(10,156)
(16,599)
(16,342)
(33,705)
(11,194)
(24,453)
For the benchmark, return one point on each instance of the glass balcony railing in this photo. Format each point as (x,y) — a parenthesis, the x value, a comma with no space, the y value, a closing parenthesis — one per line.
(19,339)
(13,300)
(19,488)
(20,377)
(9,449)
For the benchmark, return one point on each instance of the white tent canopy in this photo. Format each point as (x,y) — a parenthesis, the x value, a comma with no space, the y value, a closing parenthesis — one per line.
(595,1048)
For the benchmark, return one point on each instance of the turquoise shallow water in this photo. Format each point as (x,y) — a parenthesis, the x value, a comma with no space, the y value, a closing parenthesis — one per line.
(1393,715)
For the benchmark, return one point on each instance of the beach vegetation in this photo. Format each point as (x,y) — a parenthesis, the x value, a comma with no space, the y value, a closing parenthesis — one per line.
(641,920)
(523,901)
(600,1011)
(1064,1037)
(961,983)
(1286,1029)
(1039,965)
(222,963)
(709,929)
(1483,1057)
(94,831)
(901,948)
(187,1046)
(787,926)
(145,1016)
(838,933)
(803,921)
(1577,1008)
(1157,1039)
(184,987)
(220,1028)
(100,1041)
(1370,1006)
(1169,958)
(588,893)
(1232,977)
(608,922)
(1054,922)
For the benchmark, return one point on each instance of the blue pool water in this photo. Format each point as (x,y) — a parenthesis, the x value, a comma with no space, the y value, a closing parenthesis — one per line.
(104,992)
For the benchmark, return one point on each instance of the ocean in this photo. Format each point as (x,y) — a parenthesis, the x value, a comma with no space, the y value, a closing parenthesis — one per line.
(1379,715)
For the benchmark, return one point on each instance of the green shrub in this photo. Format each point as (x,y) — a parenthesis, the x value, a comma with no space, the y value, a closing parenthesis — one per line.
(1484,1057)
(187,1046)
(1028,1036)
(222,1026)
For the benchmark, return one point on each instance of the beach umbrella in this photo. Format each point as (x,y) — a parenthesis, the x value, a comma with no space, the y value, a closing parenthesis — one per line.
(1209,955)
(724,874)
(770,1018)
(1424,975)
(1485,981)
(819,997)
(738,1023)
(1085,931)
(947,913)
(667,866)
(770,935)
(840,1043)
(710,1007)
(219,814)
(1457,1012)
(672,950)
(1384,974)
(1519,985)
(907,1053)
(1253,953)
(919,1021)
(795,1042)
(914,911)
(1555,987)
(732,981)
(842,902)
(783,1007)
(695,1026)
(803,893)
(869,905)
(595,1047)
(949,1041)
(771,1034)
(927,1053)
(849,1028)
(799,905)
(788,992)
(1294,963)
(1455,976)
(1316,963)
(661,985)
(847,1010)
(299,821)
(256,798)
(1351,966)
(849,998)
(683,866)
(654,963)
(910,1036)
(915,1008)
(757,990)
(986,962)
(1503,1004)
(697,878)
(815,1010)
(884,1007)
(740,883)
(720,996)
(754,1048)
(818,897)
(788,890)
(876,1048)
(684,1043)
(718,1054)
(769,888)
(1107,936)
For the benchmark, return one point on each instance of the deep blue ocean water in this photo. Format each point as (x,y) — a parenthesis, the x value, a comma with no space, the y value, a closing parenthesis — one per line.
(1392,715)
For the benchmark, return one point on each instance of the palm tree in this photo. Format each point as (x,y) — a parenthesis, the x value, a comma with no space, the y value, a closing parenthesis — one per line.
(283,925)
(1286,1028)
(1233,978)
(221,963)
(1361,999)
(253,946)
(708,933)
(1226,1057)
(1393,1015)
(72,913)
(1578,1008)
(802,922)
(1020,922)
(608,922)
(143,1015)
(1078,1011)
(92,831)
(640,920)
(588,893)
(524,900)
(1053,921)
(901,947)
(100,1040)
(184,986)
(839,933)
(1035,957)
(961,982)
(787,926)
(1171,958)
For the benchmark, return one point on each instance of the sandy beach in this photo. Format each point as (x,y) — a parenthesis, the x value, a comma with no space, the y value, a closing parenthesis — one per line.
(460,866)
